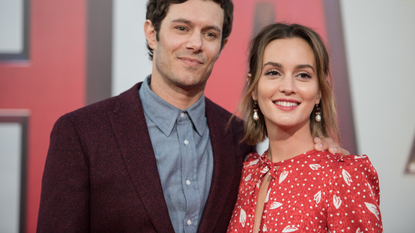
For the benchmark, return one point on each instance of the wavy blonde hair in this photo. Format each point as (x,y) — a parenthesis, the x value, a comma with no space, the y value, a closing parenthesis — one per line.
(255,131)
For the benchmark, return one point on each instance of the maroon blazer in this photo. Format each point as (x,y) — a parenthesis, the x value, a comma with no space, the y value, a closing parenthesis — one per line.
(101,173)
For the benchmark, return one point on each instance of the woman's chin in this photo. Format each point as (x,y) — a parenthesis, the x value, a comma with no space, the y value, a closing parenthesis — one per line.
(289,125)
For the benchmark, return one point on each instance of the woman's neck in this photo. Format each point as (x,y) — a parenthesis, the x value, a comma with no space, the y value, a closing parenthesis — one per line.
(287,143)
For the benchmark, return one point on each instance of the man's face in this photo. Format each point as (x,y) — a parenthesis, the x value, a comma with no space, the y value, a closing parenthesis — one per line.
(189,44)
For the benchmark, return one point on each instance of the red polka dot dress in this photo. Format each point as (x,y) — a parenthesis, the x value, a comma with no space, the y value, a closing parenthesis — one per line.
(312,192)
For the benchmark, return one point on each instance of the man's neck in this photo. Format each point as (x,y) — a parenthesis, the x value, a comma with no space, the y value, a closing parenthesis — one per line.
(180,97)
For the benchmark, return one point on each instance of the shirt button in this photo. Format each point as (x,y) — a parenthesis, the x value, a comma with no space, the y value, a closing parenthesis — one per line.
(186,142)
(182,114)
(189,222)
(188,182)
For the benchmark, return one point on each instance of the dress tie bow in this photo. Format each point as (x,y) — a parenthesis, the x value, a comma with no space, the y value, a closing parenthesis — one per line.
(269,167)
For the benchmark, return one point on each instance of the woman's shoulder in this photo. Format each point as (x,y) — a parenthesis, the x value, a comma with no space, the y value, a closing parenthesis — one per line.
(252,160)
(350,167)
(353,170)
(352,187)
(253,156)
(339,161)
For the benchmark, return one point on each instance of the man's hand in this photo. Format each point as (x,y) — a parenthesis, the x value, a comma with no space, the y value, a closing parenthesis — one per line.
(328,143)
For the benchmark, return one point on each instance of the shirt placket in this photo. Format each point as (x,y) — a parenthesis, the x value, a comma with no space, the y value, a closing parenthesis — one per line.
(188,170)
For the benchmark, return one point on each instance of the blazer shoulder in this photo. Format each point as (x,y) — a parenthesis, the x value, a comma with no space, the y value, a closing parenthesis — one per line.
(222,115)
(99,109)
(219,117)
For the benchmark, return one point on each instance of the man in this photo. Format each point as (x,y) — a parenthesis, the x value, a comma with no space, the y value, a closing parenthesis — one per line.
(158,157)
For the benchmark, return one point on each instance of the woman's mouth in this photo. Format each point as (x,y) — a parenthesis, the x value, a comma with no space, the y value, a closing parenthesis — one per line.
(286,103)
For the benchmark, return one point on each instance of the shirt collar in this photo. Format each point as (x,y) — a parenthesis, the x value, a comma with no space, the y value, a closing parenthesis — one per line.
(164,115)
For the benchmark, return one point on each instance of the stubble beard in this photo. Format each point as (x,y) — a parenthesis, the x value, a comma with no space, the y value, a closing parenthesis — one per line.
(175,80)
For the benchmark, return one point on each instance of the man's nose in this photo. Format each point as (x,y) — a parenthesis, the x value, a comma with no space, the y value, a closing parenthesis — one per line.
(195,42)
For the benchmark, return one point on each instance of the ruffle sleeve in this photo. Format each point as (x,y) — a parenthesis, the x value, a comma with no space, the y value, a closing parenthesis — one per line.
(353,196)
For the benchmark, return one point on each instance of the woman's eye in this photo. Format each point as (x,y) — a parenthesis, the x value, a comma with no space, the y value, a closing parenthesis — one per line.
(304,75)
(272,72)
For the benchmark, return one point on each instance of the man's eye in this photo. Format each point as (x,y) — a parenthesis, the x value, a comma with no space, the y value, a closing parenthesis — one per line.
(210,34)
(181,28)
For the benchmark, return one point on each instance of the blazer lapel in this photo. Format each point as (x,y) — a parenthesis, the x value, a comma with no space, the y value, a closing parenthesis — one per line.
(130,129)
(223,147)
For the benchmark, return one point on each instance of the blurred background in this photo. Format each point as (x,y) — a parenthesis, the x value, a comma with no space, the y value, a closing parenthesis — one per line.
(58,56)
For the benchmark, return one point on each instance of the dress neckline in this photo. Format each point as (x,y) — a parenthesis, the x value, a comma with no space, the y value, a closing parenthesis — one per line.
(296,158)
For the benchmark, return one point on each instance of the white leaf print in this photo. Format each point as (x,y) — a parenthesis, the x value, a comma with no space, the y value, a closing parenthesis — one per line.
(314,166)
(291,228)
(264,228)
(359,231)
(283,175)
(337,201)
(265,170)
(359,156)
(317,197)
(346,176)
(373,209)
(266,198)
(257,184)
(248,177)
(253,162)
(275,205)
(370,188)
(242,217)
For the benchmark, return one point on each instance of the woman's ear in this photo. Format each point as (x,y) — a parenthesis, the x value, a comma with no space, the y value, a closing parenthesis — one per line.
(318,97)
(254,93)
(248,79)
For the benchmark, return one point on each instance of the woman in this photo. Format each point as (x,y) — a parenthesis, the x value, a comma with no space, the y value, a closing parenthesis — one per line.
(291,187)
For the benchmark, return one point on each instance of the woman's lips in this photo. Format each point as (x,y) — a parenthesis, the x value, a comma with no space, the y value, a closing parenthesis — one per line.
(286,105)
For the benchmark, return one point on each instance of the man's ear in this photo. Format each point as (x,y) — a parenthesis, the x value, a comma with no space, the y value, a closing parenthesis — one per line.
(150,34)
(225,42)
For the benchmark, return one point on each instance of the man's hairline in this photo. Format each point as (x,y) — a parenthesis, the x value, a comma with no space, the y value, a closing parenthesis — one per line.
(223,40)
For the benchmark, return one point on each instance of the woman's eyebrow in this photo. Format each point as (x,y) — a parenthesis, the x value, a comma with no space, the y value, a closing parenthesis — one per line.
(273,64)
(305,66)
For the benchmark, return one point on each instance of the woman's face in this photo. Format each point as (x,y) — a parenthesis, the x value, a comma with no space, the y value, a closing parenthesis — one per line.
(287,90)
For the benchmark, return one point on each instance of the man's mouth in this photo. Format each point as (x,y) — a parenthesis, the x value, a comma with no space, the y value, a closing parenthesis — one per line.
(191,60)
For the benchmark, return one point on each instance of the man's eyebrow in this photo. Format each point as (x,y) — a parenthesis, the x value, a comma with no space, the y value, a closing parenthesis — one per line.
(181,20)
(212,27)
(185,21)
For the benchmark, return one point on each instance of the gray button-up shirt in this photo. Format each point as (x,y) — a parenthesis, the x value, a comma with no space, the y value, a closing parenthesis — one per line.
(181,143)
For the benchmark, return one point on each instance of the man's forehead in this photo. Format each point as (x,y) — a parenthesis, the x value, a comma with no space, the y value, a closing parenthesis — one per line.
(206,11)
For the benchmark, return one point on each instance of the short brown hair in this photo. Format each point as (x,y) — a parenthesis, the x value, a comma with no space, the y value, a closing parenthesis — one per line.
(157,11)
(255,131)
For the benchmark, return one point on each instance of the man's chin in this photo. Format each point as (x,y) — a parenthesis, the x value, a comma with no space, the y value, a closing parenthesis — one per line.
(189,84)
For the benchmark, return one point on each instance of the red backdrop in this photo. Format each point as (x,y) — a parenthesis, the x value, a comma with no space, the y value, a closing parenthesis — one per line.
(52,82)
